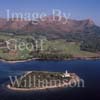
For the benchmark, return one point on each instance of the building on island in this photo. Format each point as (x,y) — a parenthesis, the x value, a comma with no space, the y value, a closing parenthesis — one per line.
(66,74)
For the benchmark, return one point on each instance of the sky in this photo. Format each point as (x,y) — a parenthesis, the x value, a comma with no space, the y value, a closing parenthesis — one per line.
(79,9)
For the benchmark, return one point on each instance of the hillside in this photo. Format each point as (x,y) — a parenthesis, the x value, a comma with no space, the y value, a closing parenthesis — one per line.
(85,32)
(51,28)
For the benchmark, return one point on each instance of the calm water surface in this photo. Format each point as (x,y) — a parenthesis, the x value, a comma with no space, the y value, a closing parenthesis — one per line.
(88,70)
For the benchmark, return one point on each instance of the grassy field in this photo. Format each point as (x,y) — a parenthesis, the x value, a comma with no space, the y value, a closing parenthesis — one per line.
(51,46)
(68,47)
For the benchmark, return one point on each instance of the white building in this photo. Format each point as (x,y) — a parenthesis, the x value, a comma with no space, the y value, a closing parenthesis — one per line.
(66,74)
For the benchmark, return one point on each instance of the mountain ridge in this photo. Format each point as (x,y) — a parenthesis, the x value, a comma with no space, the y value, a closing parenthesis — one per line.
(50,28)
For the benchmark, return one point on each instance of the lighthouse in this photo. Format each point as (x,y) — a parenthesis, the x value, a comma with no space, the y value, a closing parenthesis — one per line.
(66,74)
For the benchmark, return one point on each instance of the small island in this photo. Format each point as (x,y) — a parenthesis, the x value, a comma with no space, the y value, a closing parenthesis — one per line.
(37,80)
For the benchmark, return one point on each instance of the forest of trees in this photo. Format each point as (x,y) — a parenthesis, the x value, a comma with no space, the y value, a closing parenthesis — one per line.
(91,45)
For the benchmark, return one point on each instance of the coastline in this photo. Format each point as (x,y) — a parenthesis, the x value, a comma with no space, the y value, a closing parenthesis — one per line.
(17,61)
(73,76)
(31,89)
(74,58)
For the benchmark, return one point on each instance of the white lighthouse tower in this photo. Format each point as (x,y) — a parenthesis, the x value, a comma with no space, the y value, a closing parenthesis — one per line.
(66,74)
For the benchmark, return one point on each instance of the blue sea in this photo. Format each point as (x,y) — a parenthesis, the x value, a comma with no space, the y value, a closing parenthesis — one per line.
(89,70)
